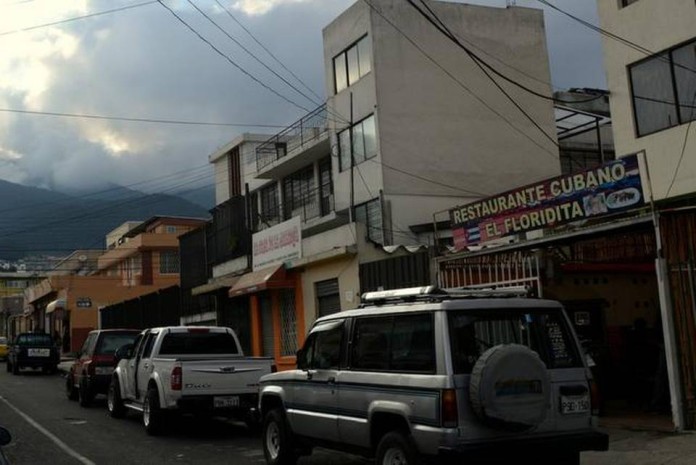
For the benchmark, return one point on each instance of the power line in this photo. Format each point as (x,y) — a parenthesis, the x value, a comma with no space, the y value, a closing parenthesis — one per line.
(447,33)
(458,82)
(138,120)
(91,15)
(229,13)
(230,61)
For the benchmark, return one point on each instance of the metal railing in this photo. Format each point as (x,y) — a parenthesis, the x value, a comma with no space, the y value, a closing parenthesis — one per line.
(308,130)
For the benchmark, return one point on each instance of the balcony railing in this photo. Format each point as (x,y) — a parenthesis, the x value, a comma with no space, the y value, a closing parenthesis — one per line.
(306,131)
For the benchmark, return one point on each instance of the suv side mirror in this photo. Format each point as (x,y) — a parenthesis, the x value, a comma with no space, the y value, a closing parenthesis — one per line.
(301,359)
(124,352)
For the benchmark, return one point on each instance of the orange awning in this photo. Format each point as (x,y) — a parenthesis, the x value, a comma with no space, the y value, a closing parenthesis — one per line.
(273,277)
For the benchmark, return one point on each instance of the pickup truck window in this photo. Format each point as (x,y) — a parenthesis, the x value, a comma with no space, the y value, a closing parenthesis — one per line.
(149,342)
(35,339)
(198,343)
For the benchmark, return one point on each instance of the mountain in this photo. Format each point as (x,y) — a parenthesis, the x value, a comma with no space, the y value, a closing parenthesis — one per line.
(38,221)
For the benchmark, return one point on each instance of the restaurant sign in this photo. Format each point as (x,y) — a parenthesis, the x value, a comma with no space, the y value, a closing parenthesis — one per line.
(609,188)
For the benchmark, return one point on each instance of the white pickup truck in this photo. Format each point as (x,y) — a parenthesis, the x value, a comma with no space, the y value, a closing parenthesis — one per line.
(185,369)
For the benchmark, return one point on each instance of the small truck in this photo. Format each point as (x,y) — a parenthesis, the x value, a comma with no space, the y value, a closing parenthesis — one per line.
(198,370)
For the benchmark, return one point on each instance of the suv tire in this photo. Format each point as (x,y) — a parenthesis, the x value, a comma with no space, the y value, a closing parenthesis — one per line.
(114,402)
(395,448)
(153,416)
(70,390)
(278,447)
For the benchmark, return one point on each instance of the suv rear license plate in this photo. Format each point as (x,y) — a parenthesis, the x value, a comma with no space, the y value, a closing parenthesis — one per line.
(225,401)
(575,404)
(39,352)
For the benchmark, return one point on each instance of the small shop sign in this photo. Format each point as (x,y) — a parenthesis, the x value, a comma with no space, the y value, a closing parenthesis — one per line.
(83,302)
(276,245)
(610,188)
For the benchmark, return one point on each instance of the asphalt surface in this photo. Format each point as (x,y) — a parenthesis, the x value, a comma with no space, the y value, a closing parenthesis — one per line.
(47,428)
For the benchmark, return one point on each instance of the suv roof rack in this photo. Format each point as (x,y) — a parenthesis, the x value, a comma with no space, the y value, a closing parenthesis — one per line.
(434,293)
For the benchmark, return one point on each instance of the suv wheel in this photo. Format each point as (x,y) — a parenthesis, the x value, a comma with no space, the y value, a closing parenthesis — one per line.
(278,446)
(70,390)
(396,449)
(114,403)
(152,413)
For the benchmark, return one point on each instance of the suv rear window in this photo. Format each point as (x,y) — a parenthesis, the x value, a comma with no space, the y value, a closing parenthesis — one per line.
(472,332)
(111,342)
(35,339)
(198,343)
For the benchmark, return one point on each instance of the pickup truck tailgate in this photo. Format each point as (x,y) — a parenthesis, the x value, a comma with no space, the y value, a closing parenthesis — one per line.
(222,376)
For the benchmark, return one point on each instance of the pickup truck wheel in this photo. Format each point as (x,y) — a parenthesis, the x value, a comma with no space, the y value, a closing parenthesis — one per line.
(70,390)
(114,403)
(278,446)
(396,449)
(86,394)
(153,416)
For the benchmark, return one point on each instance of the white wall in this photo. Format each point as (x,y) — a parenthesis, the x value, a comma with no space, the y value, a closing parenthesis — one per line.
(655,25)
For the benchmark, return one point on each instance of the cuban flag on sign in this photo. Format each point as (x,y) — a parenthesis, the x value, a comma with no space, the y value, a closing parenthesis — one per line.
(473,234)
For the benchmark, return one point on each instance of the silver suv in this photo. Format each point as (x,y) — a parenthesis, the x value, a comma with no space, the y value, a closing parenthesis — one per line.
(425,375)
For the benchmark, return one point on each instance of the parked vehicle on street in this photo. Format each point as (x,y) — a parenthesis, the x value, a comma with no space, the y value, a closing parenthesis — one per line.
(91,372)
(425,375)
(187,369)
(4,348)
(33,350)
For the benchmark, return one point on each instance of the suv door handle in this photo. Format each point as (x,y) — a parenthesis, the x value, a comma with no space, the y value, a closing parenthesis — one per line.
(331,380)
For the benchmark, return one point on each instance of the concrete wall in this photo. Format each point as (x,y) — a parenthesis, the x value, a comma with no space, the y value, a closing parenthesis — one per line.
(655,25)
(427,124)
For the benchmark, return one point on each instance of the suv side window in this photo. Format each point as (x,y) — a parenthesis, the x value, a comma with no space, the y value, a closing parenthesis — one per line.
(403,343)
(323,347)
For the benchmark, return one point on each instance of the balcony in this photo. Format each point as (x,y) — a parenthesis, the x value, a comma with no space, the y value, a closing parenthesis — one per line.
(304,142)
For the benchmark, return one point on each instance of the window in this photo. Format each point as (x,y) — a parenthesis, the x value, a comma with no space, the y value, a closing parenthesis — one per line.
(370,214)
(326,186)
(17,284)
(234,173)
(288,323)
(328,297)
(474,332)
(111,342)
(403,343)
(149,343)
(270,205)
(360,139)
(664,89)
(323,349)
(625,3)
(299,194)
(170,229)
(169,262)
(198,343)
(352,64)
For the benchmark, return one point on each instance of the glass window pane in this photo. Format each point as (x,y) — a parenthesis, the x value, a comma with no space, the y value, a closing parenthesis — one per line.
(327,349)
(361,214)
(371,344)
(344,149)
(374,221)
(684,60)
(358,144)
(353,66)
(412,344)
(653,95)
(370,136)
(340,75)
(364,56)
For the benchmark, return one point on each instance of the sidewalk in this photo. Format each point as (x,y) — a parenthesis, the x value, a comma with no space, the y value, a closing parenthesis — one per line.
(628,447)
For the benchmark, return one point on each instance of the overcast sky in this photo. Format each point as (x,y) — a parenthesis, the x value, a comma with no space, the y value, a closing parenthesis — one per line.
(143,63)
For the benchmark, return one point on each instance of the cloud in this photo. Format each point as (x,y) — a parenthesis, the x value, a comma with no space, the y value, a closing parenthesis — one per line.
(260,7)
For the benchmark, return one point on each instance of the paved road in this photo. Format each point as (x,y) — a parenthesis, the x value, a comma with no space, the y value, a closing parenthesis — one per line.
(49,429)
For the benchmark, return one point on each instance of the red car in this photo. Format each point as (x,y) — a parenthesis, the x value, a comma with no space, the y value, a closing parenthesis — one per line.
(91,373)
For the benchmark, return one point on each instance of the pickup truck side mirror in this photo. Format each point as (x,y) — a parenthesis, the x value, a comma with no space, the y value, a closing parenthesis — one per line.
(124,352)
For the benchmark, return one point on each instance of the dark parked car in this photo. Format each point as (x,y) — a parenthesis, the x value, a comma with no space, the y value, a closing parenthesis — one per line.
(5,438)
(33,350)
(91,372)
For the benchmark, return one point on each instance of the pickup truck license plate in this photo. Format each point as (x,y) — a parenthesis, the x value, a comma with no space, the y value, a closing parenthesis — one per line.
(575,404)
(39,352)
(225,401)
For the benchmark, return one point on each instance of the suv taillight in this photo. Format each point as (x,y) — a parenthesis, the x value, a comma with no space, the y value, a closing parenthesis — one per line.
(176,379)
(450,414)
(594,397)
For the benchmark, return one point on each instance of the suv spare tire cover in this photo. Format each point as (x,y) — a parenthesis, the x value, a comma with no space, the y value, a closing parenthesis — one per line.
(510,387)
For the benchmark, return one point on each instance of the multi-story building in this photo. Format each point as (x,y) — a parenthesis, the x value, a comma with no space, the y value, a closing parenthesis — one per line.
(12,285)
(143,260)
(411,126)
(650,61)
